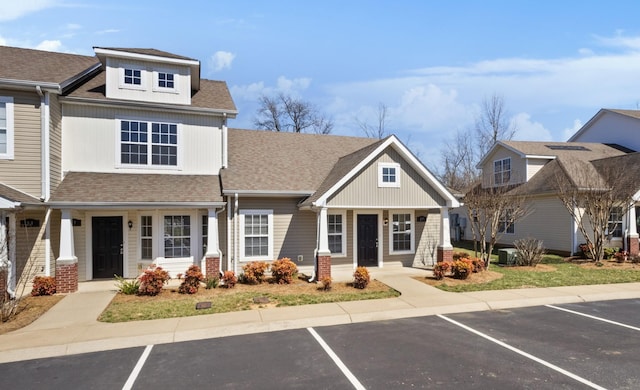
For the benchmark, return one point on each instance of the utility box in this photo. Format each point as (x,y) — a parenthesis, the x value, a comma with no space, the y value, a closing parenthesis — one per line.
(507,256)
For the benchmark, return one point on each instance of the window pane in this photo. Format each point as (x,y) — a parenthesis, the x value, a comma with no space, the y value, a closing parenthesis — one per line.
(177,239)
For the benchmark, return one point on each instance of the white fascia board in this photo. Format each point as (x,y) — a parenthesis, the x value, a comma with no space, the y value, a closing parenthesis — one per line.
(147,106)
(493,148)
(267,194)
(540,157)
(6,204)
(138,205)
(144,57)
(30,85)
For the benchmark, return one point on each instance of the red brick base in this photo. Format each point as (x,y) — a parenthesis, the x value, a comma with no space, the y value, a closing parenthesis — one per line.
(212,267)
(66,277)
(445,254)
(324,267)
(3,283)
(633,245)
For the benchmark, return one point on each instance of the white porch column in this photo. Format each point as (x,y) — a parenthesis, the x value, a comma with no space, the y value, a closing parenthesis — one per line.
(213,244)
(445,229)
(633,229)
(67,251)
(323,232)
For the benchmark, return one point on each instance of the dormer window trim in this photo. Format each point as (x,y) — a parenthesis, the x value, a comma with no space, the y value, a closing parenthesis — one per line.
(164,77)
(132,77)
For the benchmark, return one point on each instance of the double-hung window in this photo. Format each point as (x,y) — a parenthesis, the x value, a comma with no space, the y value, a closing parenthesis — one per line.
(6,127)
(146,237)
(256,229)
(402,233)
(177,236)
(506,223)
(205,233)
(388,175)
(148,143)
(614,227)
(337,234)
(502,171)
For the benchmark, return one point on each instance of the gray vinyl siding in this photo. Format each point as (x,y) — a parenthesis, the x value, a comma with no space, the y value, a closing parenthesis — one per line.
(23,172)
(363,190)
(294,230)
(55,143)
(518,166)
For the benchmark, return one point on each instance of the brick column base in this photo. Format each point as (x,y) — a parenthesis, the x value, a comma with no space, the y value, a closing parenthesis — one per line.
(324,267)
(445,254)
(66,277)
(212,267)
(3,283)
(633,245)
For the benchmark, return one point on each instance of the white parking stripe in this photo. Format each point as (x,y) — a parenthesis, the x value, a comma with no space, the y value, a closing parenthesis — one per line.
(594,317)
(354,381)
(523,353)
(136,370)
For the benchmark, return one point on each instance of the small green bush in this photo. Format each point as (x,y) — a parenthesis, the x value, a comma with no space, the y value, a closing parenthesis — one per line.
(283,270)
(461,269)
(253,273)
(530,251)
(152,280)
(440,269)
(609,253)
(229,279)
(361,278)
(43,285)
(211,282)
(191,282)
(127,286)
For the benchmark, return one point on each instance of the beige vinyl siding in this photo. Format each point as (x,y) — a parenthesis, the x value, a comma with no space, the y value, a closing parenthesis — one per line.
(91,135)
(534,165)
(427,239)
(23,172)
(363,191)
(294,230)
(30,249)
(518,166)
(55,143)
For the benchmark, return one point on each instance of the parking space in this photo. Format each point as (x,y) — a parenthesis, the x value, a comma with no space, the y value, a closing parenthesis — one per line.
(573,346)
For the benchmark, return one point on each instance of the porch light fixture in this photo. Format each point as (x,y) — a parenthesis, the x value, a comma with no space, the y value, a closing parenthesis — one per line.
(130,223)
(386,221)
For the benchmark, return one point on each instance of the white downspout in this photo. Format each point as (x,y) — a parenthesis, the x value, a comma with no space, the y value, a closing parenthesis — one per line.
(45,132)
(236,248)
(217,219)
(230,252)
(225,148)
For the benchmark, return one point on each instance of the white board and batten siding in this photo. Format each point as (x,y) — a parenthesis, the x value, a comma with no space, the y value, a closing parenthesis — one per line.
(92,136)
(363,191)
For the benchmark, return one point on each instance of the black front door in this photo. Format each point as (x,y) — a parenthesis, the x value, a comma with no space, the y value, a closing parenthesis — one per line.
(367,240)
(107,247)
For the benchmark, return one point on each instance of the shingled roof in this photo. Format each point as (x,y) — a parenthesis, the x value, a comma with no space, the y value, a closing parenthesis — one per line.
(38,66)
(109,188)
(272,162)
(15,195)
(148,52)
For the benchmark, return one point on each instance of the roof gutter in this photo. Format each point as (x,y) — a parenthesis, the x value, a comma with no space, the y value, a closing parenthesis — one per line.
(139,205)
(261,193)
(146,106)
(30,85)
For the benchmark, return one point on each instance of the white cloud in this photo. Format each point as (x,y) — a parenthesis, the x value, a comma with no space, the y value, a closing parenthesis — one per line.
(222,60)
(49,45)
(107,31)
(570,131)
(292,85)
(526,130)
(283,84)
(12,10)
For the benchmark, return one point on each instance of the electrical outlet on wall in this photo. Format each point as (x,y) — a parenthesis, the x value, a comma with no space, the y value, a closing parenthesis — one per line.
(300,258)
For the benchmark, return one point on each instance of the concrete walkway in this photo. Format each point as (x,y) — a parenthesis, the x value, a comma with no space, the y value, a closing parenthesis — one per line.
(70,327)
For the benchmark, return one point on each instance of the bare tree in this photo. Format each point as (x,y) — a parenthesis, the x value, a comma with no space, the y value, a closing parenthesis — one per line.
(285,113)
(378,130)
(594,191)
(493,211)
(458,170)
(492,124)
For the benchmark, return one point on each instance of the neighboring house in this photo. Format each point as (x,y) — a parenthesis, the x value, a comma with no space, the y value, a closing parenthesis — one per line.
(31,83)
(536,166)
(613,127)
(143,170)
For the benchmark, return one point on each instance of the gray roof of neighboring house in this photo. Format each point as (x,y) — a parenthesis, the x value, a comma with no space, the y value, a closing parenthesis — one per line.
(580,150)
(211,95)
(103,188)
(16,195)
(631,113)
(43,66)
(265,161)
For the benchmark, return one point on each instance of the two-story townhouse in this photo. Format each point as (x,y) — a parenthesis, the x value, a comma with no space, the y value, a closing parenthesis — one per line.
(535,167)
(31,82)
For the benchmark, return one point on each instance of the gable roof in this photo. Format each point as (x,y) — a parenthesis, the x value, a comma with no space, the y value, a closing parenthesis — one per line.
(56,71)
(152,190)
(16,196)
(603,111)
(147,52)
(266,162)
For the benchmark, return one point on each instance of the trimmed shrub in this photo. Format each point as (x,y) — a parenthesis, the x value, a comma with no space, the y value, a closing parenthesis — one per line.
(461,269)
(478,264)
(440,269)
(609,253)
(253,273)
(43,285)
(283,270)
(585,250)
(211,282)
(152,280)
(127,287)
(361,278)
(326,283)
(460,255)
(530,251)
(191,282)
(229,279)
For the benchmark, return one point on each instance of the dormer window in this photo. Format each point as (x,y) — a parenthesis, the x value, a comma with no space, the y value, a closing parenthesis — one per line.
(165,80)
(388,175)
(133,76)
(502,171)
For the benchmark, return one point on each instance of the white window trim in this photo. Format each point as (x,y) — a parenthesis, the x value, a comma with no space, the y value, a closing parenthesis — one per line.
(143,77)
(413,232)
(502,222)
(343,234)
(502,160)
(269,214)
(149,165)
(157,88)
(153,237)
(193,236)
(8,101)
(381,183)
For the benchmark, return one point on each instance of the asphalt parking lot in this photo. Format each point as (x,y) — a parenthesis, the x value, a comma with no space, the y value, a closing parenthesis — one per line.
(572,346)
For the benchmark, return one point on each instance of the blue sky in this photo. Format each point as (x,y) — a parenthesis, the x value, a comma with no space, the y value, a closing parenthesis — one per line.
(430,62)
